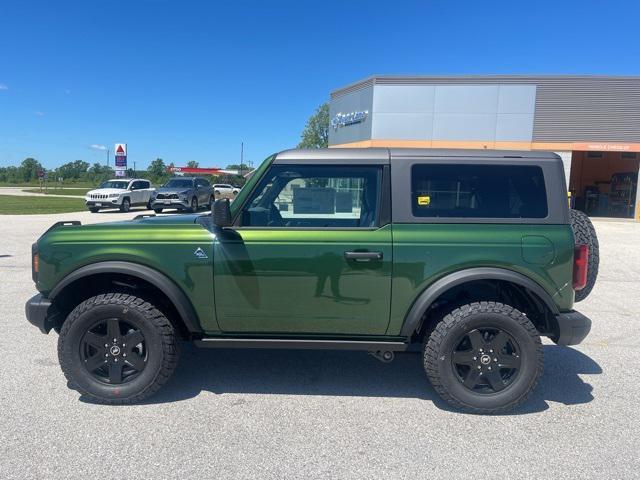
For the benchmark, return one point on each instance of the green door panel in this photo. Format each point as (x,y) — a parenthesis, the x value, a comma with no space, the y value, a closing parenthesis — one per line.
(423,253)
(297,281)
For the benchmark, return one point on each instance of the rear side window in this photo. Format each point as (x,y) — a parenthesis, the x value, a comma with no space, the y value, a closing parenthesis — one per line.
(478,191)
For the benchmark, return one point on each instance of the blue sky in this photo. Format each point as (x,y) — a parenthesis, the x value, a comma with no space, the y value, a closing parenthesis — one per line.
(190,80)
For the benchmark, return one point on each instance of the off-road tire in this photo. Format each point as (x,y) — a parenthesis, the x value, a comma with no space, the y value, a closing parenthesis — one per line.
(585,234)
(158,333)
(94,210)
(439,347)
(125,206)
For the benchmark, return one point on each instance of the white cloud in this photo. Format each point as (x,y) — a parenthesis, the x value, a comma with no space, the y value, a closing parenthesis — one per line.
(3,87)
(95,146)
(39,114)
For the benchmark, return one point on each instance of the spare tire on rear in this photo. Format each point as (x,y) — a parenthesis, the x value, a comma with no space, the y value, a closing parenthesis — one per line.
(585,234)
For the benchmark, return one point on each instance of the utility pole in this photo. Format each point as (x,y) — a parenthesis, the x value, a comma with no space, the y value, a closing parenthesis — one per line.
(241,156)
(108,157)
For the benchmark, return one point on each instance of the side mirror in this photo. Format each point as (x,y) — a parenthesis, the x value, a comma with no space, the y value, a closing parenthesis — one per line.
(221,213)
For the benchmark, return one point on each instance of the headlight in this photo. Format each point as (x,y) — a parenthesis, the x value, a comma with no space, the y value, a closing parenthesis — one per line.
(114,195)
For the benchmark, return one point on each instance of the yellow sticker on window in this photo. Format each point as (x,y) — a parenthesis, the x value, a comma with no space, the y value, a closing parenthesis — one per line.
(424,200)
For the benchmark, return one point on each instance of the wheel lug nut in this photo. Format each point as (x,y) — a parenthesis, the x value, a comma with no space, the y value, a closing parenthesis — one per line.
(495,359)
(115,340)
(479,367)
(116,360)
(124,354)
(106,354)
(488,367)
(490,351)
(106,345)
(475,358)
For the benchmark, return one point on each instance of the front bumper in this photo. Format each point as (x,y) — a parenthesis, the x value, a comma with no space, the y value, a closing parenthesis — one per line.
(36,311)
(170,203)
(102,203)
(571,328)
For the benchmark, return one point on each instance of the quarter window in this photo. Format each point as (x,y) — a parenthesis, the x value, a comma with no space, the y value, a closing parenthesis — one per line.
(315,197)
(478,191)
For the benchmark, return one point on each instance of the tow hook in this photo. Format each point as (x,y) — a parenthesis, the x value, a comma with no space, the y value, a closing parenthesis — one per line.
(385,356)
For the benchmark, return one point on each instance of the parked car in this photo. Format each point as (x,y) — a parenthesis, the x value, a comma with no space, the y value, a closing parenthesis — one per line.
(120,193)
(183,193)
(468,255)
(224,190)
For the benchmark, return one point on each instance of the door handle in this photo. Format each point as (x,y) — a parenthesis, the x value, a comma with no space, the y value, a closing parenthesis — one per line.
(363,256)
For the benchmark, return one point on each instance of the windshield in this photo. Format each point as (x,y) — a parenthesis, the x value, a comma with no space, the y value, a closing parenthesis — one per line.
(114,184)
(178,183)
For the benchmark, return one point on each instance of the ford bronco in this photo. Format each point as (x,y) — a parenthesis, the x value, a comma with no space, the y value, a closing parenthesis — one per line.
(470,256)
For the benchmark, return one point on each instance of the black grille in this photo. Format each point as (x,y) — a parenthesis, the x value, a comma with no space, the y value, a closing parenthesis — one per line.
(162,196)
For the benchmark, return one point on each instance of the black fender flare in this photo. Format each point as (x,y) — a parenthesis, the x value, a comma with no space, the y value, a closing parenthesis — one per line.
(163,283)
(440,286)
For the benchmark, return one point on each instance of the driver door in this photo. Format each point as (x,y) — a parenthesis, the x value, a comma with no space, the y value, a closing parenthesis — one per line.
(311,254)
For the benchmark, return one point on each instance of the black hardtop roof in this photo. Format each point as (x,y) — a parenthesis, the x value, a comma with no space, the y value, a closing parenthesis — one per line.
(387,155)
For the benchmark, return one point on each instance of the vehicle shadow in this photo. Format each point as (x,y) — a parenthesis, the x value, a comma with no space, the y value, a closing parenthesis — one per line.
(338,373)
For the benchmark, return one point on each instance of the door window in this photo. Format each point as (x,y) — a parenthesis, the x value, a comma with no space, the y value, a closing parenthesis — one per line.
(315,197)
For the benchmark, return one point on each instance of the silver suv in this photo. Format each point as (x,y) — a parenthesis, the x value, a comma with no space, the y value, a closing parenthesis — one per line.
(183,193)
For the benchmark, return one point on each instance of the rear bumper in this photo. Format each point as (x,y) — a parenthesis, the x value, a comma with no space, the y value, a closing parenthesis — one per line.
(36,311)
(571,328)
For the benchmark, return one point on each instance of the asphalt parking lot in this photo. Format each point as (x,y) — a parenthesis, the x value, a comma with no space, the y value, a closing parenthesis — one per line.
(287,414)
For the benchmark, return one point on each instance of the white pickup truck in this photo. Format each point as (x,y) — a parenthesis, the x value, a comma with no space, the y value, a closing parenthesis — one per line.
(120,193)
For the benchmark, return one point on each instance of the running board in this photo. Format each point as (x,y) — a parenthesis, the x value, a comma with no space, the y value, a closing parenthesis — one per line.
(301,344)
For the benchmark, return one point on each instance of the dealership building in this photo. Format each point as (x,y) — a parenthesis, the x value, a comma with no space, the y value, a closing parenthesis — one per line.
(592,122)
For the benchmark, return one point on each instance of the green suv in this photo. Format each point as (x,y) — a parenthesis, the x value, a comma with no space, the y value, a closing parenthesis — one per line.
(468,255)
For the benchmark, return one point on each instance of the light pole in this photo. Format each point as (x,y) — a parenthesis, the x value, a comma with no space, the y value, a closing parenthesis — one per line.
(241,156)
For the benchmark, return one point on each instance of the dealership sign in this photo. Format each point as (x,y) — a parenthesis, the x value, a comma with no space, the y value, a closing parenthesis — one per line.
(121,159)
(344,119)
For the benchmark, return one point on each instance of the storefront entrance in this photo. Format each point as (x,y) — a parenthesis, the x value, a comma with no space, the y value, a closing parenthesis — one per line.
(604,184)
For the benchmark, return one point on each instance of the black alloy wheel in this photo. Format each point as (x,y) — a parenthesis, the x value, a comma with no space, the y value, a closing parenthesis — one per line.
(113,351)
(486,360)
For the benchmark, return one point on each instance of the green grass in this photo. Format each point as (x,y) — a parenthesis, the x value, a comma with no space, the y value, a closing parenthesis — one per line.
(13,205)
(64,191)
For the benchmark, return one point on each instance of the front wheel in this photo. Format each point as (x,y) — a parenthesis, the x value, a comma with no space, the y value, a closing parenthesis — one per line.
(484,357)
(157,210)
(212,200)
(94,209)
(194,205)
(126,205)
(117,348)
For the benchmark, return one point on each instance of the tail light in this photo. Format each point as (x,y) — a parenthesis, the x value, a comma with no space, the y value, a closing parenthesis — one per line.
(580,265)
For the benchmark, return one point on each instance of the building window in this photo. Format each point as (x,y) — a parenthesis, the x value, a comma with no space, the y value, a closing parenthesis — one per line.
(478,191)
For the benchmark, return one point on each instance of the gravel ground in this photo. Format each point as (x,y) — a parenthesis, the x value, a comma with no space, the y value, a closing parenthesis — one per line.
(287,414)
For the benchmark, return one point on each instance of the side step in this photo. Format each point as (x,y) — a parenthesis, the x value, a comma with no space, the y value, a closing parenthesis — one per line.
(301,344)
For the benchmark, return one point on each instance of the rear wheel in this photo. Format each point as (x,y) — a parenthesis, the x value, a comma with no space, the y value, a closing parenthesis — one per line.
(585,234)
(484,357)
(117,348)
(126,205)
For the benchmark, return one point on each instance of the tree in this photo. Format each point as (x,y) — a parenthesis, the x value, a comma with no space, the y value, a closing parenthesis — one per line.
(316,132)
(157,168)
(29,169)
(192,164)
(73,170)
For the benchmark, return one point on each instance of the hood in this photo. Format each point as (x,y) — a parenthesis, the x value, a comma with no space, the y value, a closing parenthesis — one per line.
(170,219)
(106,191)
